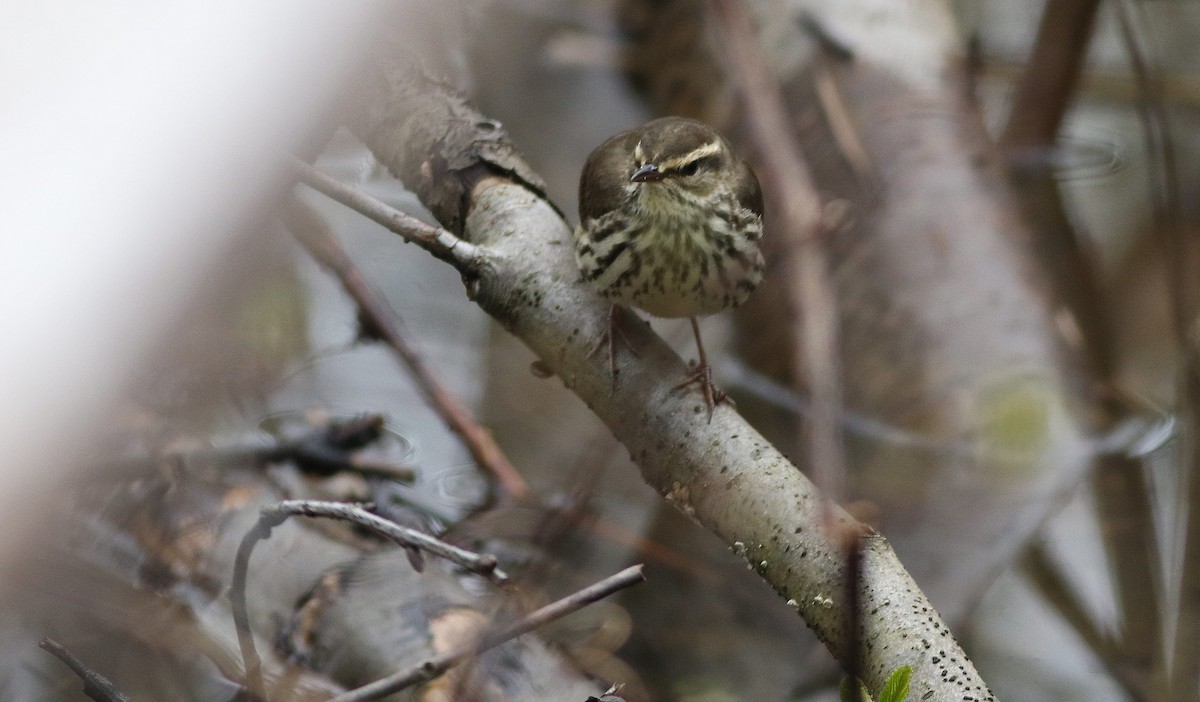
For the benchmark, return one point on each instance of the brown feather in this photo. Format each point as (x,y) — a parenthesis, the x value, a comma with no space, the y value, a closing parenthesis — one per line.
(749,194)
(602,172)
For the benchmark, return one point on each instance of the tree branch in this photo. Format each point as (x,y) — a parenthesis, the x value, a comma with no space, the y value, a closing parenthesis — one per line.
(95,685)
(1051,74)
(384,323)
(723,474)
(274,515)
(1119,483)
(484,565)
(436,666)
(437,241)
(1045,573)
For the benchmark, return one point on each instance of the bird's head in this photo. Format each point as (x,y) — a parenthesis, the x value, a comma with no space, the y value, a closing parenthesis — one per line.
(681,154)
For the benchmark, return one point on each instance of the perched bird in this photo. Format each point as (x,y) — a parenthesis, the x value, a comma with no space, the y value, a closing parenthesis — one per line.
(670,219)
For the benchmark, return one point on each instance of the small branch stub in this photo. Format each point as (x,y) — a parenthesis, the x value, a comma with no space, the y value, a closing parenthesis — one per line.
(95,685)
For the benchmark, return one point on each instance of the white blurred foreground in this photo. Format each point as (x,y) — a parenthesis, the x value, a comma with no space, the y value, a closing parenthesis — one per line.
(135,139)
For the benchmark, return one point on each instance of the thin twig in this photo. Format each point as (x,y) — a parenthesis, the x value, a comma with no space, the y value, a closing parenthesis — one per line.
(1141,628)
(385,324)
(1161,163)
(465,256)
(324,451)
(1046,574)
(1124,506)
(1118,480)
(439,664)
(95,685)
(813,303)
(1051,74)
(796,200)
(1177,89)
(237,602)
(272,516)
(841,125)
(1043,96)
(483,565)
(332,448)
(1185,669)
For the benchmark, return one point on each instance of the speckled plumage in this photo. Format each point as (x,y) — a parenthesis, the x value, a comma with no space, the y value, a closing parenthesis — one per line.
(680,246)
(670,220)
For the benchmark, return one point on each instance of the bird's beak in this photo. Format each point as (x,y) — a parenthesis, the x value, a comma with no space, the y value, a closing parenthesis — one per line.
(648,173)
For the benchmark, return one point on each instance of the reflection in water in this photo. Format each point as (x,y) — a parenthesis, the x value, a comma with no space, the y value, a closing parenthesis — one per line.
(1075,157)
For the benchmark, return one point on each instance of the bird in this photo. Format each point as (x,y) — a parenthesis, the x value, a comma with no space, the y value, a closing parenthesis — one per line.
(670,223)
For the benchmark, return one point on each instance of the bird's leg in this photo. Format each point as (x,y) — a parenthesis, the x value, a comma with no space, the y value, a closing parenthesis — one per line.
(702,374)
(610,340)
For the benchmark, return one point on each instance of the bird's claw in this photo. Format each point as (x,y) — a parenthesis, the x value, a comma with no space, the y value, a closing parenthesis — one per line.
(702,374)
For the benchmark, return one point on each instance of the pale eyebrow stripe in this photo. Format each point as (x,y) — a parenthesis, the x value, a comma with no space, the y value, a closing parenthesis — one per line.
(710,149)
(639,154)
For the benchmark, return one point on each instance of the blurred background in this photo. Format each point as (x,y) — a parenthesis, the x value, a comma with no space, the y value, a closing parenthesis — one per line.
(1013,275)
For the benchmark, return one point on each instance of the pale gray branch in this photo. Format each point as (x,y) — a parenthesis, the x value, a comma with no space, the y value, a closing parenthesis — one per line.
(722,474)
(484,565)
(435,240)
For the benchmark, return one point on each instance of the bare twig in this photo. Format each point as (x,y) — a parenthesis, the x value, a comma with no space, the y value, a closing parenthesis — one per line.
(331,448)
(464,256)
(1118,480)
(1103,84)
(1164,190)
(845,133)
(1141,637)
(1180,264)
(1045,573)
(323,451)
(95,685)
(1043,95)
(799,209)
(272,516)
(440,664)
(1124,508)
(1185,668)
(385,324)
(1051,74)
(814,310)
(484,565)
(237,602)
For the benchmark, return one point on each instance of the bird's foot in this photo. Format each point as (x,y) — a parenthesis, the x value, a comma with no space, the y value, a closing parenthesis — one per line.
(701,374)
(610,340)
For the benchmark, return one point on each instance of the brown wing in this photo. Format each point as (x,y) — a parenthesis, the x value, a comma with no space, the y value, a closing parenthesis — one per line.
(606,175)
(749,193)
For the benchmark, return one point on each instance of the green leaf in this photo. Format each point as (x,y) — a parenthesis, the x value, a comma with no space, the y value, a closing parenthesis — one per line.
(850,686)
(896,687)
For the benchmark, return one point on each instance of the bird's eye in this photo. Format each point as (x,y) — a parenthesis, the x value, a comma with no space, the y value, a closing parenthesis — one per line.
(710,162)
